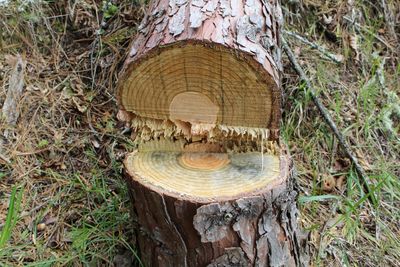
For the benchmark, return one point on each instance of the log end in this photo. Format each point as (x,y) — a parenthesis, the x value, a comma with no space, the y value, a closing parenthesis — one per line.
(206,177)
(201,84)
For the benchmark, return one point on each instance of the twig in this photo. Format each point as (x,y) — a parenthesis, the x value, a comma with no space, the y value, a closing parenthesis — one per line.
(20,153)
(334,151)
(3,157)
(14,92)
(10,107)
(359,28)
(328,119)
(389,17)
(327,54)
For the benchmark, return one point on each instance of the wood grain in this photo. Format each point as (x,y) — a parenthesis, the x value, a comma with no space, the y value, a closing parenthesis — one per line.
(201,83)
(202,175)
(253,229)
(228,51)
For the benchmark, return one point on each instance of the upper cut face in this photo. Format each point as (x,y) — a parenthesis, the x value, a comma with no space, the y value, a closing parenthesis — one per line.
(198,84)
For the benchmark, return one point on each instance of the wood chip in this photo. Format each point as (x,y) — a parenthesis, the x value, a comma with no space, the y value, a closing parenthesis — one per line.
(180,2)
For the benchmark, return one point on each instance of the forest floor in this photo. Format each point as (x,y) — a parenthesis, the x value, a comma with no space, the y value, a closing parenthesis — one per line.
(62,199)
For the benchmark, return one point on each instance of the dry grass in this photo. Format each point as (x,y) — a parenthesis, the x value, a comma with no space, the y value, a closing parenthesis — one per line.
(67,147)
(67,150)
(362,94)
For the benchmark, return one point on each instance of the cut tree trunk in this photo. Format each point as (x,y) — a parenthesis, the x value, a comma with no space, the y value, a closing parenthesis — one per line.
(210,180)
(221,57)
(213,224)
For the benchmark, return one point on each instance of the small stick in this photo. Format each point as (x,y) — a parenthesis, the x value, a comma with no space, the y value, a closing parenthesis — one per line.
(327,54)
(10,110)
(328,119)
(3,157)
(389,17)
(14,92)
(361,28)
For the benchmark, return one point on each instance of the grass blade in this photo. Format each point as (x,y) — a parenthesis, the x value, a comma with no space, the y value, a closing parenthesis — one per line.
(305,199)
(12,218)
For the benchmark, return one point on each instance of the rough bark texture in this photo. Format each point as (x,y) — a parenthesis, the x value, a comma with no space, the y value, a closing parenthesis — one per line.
(239,45)
(11,108)
(16,86)
(258,230)
(248,28)
(251,26)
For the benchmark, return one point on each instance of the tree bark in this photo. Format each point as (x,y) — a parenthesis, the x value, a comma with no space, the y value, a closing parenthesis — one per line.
(259,229)
(237,42)
(201,83)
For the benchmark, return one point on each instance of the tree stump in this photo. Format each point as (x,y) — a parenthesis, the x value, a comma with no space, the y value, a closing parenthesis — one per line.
(210,180)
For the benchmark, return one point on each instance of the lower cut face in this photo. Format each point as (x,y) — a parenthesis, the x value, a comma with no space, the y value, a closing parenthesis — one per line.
(204,175)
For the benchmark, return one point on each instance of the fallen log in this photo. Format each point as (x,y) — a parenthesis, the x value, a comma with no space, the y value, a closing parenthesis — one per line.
(210,180)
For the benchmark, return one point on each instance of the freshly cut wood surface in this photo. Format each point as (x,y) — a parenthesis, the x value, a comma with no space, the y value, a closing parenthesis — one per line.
(200,84)
(202,175)
(193,106)
(211,219)
(161,133)
(218,85)
(221,57)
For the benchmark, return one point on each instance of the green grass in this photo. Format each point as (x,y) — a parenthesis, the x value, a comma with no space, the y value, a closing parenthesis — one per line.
(79,185)
(12,216)
(101,229)
(363,101)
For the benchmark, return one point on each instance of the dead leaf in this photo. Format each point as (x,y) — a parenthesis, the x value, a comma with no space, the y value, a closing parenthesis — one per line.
(327,19)
(363,161)
(353,40)
(77,86)
(124,116)
(339,57)
(79,104)
(340,182)
(11,60)
(51,220)
(67,92)
(297,51)
(328,183)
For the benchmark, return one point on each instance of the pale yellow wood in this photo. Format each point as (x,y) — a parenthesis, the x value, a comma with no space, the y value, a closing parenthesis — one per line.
(204,175)
(231,138)
(217,87)
(193,107)
(203,161)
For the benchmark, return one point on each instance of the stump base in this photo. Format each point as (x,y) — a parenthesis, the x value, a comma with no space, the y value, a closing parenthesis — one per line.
(254,227)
